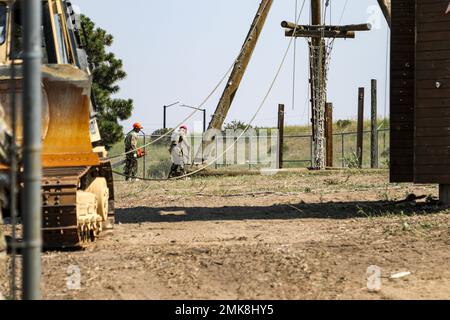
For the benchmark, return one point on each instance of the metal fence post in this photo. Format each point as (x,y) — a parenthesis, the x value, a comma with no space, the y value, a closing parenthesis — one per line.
(145,158)
(329,134)
(343,149)
(280,135)
(217,154)
(32,146)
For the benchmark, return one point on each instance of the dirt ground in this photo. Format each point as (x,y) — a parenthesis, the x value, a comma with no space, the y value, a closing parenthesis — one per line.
(287,236)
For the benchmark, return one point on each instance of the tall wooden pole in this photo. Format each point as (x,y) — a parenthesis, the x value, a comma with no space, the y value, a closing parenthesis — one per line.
(385,6)
(329,133)
(360,134)
(316,16)
(318,89)
(280,135)
(374,127)
(317,32)
(240,66)
(234,81)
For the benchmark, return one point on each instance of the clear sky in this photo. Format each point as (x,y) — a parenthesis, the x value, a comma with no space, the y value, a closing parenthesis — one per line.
(178,50)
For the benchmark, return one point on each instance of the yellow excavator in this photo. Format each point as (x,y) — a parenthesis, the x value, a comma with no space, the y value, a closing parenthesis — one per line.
(77,182)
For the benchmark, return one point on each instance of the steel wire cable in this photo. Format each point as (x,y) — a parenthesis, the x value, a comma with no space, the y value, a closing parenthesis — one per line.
(197,108)
(261,105)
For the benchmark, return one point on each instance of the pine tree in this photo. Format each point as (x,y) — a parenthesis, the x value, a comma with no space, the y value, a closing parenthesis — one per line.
(106,70)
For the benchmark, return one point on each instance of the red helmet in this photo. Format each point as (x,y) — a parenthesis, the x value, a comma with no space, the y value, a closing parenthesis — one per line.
(183,126)
(138,126)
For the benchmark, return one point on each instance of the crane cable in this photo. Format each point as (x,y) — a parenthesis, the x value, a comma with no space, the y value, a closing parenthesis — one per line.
(340,20)
(196,109)
(184,120)
(251,120)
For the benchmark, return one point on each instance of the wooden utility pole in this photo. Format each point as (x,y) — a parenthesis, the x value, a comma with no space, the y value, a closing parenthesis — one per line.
(360,131)
(317,81)
(317,32)
(240,66)
(280,135)
(385,6)
(374,127)
(235,78)
(329,133)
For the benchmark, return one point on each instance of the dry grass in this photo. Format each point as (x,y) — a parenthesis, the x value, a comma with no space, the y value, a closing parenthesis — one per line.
(304,235)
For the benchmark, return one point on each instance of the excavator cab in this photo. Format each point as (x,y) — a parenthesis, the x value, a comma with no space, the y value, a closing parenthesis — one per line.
(77,186)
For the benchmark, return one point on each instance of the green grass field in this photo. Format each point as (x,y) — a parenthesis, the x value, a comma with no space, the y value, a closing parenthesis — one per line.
(297,151)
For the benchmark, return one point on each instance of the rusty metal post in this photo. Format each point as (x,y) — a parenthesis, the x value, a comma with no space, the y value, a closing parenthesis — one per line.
(374,127)
(280,135)
(32,146)
(329,133)
(360,134)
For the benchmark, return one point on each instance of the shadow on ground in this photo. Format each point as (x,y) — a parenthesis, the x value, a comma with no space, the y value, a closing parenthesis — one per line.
(334,210)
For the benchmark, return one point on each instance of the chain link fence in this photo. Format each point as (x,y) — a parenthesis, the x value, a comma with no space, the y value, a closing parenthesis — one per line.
(259,150)
(297,150)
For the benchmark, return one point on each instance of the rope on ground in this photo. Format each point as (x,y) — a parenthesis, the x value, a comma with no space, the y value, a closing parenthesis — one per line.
(138,178)
(283,60)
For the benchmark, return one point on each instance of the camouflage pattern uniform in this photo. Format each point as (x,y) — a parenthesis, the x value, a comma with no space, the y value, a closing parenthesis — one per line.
(131,165)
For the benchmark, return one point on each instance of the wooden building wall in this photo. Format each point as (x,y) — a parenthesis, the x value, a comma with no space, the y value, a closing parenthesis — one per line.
(432,110)
(402,90)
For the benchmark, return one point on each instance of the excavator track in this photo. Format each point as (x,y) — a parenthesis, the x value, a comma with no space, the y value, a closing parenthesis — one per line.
(68,222)
(77,182)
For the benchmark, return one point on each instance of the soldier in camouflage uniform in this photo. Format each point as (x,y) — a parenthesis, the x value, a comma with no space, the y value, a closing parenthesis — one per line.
(131,165)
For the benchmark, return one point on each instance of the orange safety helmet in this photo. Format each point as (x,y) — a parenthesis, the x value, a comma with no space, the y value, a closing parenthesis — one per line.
(138,126)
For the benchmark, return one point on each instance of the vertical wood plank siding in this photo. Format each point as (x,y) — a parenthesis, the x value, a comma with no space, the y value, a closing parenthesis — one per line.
(432,114)
(402,91)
